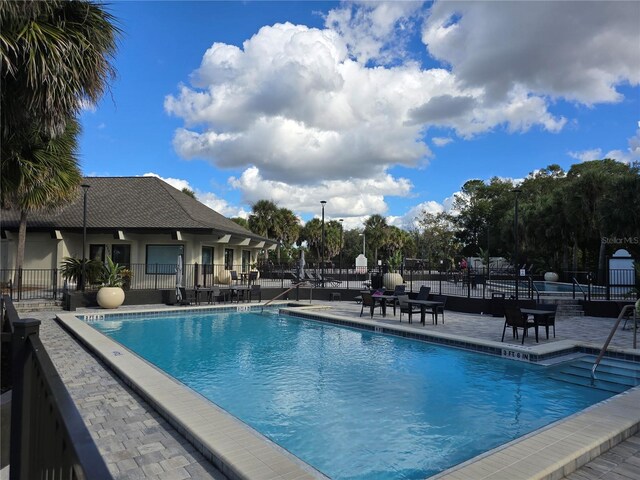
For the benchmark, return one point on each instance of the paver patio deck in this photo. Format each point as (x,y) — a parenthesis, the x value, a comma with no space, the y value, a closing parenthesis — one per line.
(137,443)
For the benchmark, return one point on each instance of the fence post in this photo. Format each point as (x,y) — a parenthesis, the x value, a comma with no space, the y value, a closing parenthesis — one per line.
(20,284)
(21,401)
(55,283)
(196,274)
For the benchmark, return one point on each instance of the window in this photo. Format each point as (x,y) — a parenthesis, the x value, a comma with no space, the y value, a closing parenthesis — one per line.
(228,259)
(162,259)
(246,260)
(207,260)
(97,252)
(121,254)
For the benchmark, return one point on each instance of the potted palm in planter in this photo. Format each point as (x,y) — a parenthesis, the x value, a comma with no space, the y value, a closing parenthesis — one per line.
(111,294)
(71,269)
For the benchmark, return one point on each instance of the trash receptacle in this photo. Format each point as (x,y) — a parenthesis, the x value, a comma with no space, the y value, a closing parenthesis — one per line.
(376,281)
(497,304)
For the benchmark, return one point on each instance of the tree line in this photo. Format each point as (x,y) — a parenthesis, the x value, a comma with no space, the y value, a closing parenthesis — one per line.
(567,221)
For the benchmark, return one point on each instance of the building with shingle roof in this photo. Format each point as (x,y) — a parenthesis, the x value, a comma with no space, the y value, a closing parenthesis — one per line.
(135,220)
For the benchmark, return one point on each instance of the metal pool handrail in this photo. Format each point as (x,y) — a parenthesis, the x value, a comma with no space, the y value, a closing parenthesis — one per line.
(293,287)
(577,284)
(622,314)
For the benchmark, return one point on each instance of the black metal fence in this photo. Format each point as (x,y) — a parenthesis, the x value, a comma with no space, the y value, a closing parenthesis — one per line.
(48,436)
(472,283)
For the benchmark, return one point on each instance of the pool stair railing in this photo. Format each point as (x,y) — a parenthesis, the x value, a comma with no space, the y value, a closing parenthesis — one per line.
(614,375)
(293,287)
(625,312)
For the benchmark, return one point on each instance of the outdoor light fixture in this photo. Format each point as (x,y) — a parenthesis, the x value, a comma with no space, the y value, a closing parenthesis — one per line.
(516,191)
(84,234)
(341,228)
(323,202)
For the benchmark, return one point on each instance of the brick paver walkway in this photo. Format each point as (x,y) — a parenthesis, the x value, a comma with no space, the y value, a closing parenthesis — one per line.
(135,441)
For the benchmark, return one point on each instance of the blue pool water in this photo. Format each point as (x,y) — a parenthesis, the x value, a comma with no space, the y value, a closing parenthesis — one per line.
(354,404)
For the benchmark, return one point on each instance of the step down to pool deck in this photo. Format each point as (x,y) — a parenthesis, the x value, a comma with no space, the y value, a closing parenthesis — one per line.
(611,375)
(569,309)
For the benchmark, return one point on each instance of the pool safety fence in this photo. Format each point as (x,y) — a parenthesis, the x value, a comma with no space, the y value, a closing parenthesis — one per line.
(27,284)
(48,437)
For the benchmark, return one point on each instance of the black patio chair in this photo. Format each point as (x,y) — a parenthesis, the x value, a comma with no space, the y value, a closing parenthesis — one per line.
(255,291)
(423,294)
(515,319)
(439,308)
(550,320)
(368,301)
(406,307)
(187,297)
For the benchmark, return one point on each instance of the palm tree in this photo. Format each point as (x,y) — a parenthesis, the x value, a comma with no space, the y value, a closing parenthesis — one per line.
(263,219)
(375,228)
(288,228)
(55,58)
(47,178)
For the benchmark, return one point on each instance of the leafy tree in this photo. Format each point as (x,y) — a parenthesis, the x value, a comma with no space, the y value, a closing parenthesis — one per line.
(189,192)
(312,234)
(439,234)
(241,221)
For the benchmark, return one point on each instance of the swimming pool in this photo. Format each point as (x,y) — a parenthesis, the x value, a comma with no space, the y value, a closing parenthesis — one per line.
(354,404)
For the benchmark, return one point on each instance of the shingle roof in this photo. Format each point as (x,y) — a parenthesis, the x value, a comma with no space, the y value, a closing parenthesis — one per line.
(134,203)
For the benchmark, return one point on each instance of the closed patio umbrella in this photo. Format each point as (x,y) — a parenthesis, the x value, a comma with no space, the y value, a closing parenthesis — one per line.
(179,278)
(302,264)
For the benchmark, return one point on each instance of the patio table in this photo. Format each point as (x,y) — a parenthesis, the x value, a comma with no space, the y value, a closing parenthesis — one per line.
(383,299)
(424,304)
(540,318)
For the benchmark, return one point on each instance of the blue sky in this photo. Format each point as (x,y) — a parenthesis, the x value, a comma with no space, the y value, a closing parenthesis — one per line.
(375,107)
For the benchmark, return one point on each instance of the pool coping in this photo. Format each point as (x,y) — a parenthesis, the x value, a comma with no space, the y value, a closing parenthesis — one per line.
(240,452)
(236,449)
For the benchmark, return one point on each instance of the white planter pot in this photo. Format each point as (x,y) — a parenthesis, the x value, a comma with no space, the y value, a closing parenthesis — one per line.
(110,297)
(551,277)
(390,280)
(224,277)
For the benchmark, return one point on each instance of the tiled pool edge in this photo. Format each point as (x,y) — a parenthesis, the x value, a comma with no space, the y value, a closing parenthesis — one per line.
(550,453)
(536,354)
(238,451)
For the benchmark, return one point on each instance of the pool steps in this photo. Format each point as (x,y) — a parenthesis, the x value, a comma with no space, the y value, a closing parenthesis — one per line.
(613,375)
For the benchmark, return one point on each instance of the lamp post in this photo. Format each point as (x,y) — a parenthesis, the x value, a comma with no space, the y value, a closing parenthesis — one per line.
(364,253)
(516,191)
(323,202)
(340,260)
(85,189)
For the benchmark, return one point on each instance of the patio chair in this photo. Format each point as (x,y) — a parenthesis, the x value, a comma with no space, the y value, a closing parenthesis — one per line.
(439,308)
(234,276)
(406,307)
(187,297)
(253,276)
(368,301)
(423,294)
(549,321)
(255,291)
(514,318)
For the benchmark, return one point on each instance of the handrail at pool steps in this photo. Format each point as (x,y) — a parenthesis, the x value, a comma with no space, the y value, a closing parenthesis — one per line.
(287,291)
(626,310)
(577,284)
(49,438)
(535,289)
